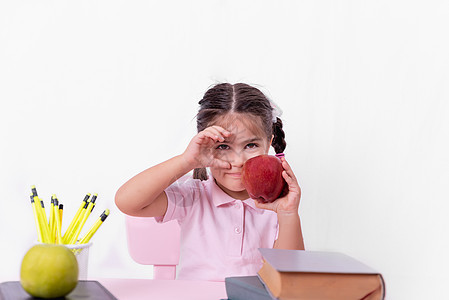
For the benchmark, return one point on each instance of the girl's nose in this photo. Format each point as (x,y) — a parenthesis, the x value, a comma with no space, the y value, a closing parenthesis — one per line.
(237,160)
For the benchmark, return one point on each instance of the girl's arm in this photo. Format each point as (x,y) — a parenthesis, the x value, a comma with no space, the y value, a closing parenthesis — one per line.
(144,196)
(290,233)
(286,207)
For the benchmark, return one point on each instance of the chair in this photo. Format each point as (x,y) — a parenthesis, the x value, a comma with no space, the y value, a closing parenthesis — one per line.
(152,243)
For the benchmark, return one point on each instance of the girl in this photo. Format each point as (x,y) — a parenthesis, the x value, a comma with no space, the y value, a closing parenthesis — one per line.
(221,227)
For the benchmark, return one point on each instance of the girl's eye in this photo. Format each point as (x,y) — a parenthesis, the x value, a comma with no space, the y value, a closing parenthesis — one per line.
(222,147)
(252,145)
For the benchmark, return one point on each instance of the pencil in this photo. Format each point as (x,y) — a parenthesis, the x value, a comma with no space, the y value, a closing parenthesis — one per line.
(83,219)
(33,190)
(43,220)
(77,223)
(69,230)
(51,222)
(40,237)
(95,227)
(61,210)
(94,197)
(58,238)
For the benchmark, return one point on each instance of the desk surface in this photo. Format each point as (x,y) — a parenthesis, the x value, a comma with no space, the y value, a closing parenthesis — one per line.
(138,289)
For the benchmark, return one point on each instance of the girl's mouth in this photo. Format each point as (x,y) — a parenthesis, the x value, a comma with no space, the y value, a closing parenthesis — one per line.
(236,175)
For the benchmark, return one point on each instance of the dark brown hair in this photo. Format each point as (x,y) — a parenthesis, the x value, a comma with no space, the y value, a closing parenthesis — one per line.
(238,98)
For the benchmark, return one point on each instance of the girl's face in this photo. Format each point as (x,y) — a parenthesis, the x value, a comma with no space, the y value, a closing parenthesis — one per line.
(244,142)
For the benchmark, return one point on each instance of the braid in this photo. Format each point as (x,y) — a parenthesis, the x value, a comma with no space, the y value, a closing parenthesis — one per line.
(278,142)
(200,173)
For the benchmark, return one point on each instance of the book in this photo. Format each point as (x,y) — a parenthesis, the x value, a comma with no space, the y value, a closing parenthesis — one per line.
(246,288)
(85,290)
(300,274)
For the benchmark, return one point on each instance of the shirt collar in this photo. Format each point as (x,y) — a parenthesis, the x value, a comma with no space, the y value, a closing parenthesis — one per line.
(219,197)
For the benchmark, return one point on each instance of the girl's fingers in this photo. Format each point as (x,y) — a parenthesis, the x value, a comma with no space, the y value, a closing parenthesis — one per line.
(218,133)
(214,133)
(287,177)
(291,181)
(221,130)
(210,134)
(221,164)
(269,206)
(204,143)
(288,169)
(290,178)
(207,139)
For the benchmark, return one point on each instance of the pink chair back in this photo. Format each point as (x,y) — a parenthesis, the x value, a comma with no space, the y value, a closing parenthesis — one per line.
(152,243)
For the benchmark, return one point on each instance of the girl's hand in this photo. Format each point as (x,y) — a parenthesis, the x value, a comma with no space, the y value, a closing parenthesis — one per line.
(288,203)
(200,151)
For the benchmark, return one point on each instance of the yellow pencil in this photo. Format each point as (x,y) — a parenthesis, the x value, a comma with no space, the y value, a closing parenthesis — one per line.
(95,227)
(69,230)
(51,222)
(61,210)
(41,216)
(77,224)
(43,220)
(40,237)
(57,221)
(83,219)
(38,206)
(94,197)
(42,207)
(33,190)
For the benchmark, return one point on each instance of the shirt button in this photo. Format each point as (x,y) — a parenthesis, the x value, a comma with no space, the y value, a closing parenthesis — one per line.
(237,230)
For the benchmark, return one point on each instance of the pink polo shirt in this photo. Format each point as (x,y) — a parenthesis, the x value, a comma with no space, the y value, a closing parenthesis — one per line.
(220,235)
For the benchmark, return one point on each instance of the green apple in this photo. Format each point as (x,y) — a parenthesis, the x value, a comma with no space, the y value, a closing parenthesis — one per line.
(49,271)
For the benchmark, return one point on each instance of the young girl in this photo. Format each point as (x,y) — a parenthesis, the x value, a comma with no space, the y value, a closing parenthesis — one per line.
(221,227)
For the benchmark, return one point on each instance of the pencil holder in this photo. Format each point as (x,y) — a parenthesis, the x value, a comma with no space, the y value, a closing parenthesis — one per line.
(82,256)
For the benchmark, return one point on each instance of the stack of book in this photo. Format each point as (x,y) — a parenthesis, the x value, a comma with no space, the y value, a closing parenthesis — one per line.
(299,274)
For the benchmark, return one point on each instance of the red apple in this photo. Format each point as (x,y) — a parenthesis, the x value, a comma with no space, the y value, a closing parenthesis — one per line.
(262,178)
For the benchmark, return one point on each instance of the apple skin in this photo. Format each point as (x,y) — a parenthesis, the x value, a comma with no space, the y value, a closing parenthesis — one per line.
(262,178)
(49,271)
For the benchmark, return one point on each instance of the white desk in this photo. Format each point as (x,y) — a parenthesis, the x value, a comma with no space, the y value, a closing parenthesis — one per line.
(141,289)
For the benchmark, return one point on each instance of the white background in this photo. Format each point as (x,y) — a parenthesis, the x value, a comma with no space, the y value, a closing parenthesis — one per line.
(93,92)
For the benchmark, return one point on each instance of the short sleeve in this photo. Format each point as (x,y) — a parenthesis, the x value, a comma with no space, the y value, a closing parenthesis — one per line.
(181,197)
(277,231)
